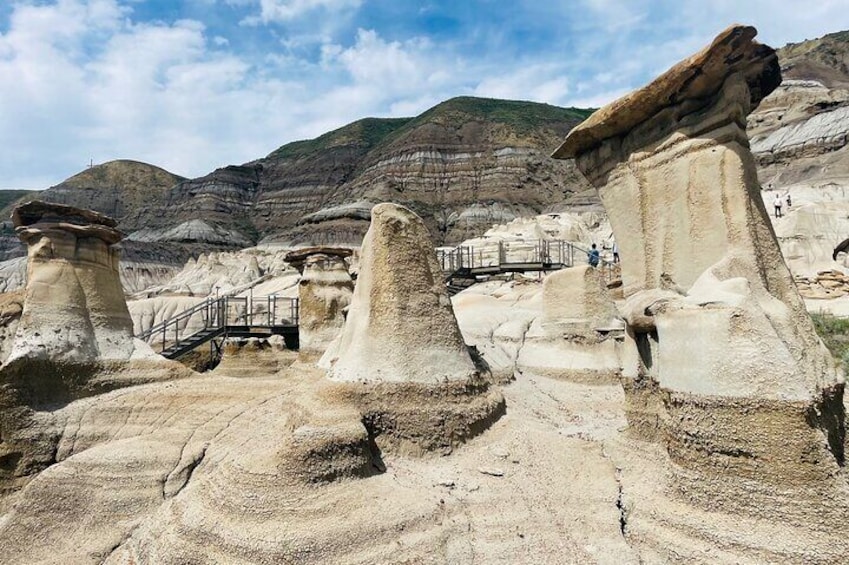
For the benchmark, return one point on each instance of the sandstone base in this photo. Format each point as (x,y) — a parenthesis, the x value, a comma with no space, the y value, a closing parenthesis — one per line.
(416,418)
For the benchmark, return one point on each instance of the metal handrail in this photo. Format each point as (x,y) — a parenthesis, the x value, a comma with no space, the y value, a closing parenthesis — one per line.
(604,264)
(176,317)
(226,311)
(546,251)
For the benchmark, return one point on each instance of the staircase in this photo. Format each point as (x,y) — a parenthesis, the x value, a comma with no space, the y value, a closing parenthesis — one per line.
(224,317)
(180,348)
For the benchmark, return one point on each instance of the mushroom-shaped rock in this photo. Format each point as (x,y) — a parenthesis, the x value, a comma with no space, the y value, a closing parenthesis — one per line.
(400,324)
(298,257)
(324,293)
(721,358)
(74,309)
(75,335)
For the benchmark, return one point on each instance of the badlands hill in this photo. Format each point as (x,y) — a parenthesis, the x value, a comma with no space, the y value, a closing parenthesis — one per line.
(825,60)
(122,189)
(463,165)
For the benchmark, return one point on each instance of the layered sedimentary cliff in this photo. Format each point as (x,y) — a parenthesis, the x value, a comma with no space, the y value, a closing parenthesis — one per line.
(798,131)
(463,165)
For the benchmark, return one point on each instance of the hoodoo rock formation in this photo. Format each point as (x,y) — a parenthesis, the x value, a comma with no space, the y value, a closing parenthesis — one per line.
(324,292)
(746,398)
(74,308)
(573,338)
(401,327)
(75,335)
(401,355)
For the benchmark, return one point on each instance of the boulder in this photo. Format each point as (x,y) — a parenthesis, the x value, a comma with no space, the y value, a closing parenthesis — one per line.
(722,363)
(574,338)
(578,299)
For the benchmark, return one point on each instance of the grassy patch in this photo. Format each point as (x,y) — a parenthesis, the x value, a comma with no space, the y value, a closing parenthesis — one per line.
(365,133)
(523,117)
(520,115)
(9,196)
(834,332)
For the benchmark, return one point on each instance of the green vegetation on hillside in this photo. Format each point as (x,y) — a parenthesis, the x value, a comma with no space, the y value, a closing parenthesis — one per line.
(834,332)
(365,133)
(521,116)
(124,173)
(9,196)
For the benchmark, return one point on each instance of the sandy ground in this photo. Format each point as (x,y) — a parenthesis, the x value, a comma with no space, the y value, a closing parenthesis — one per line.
(537,487)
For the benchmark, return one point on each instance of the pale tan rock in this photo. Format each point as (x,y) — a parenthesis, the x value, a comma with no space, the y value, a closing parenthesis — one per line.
(210,472)
(74,337)
(574,339)
(324,293)
(401,360)
(254,357)
(74,308)
(400,325)
(577,300)
(721,361)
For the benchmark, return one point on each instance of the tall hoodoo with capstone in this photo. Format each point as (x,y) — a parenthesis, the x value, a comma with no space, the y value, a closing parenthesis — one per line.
(74,310)
(75,335)
(724,365)
(324,292)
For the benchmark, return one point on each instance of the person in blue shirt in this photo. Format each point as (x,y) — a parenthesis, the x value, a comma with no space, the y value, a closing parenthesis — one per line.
(593,256)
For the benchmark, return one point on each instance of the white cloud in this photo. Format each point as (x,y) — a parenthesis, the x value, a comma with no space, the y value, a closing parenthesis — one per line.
(152,92)
(384,64)
(87,79)
(288,10)
(544,82)
(168,95)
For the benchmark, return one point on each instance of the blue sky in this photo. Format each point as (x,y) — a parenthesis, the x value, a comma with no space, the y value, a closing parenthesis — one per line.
(192,85)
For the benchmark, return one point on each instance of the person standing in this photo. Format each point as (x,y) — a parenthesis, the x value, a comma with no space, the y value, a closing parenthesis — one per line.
(777,204)
(593,256)
(615,252)
(788,200)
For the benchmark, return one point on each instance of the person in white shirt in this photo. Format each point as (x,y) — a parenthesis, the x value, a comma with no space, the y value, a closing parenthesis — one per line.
(777,203)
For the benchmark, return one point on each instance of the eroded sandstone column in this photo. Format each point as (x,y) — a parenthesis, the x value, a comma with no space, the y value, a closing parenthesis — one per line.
(401,359)
(401,326)
(325,291)
(722,353)
(74,309)
(573,339)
